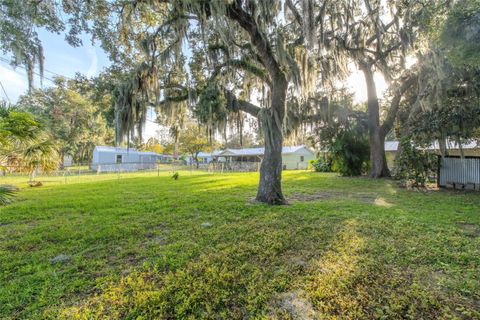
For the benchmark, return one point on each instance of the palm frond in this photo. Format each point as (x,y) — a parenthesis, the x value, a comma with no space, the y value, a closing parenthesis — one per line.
(7,193)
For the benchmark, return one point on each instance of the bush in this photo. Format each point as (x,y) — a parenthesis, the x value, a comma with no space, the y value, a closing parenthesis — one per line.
(414,165)
(350,153)
(321,165)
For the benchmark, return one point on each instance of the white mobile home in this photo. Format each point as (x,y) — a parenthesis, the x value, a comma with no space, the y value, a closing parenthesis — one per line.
(296,157)
(203,157)
(111,159)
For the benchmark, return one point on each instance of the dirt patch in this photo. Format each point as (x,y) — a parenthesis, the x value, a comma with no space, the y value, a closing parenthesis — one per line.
(381,202)
(326,195)
(302,197)
(160,240)
(293,305)
(469,229)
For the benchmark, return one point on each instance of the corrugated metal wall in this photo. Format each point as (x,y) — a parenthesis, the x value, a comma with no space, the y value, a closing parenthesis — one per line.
(459,171)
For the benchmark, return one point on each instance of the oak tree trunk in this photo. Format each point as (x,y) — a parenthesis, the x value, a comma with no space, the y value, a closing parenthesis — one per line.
(270,185)
(378,160)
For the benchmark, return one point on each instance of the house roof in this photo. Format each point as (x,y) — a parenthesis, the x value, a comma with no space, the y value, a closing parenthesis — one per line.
(391,145)
(109,149)
(451,145)
(207,154)
(258,151)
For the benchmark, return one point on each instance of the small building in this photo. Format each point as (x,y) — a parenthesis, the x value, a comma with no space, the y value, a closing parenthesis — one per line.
(165,158)
(459,173)
(391,148)
(204,157)
(296,157)
(67,160)
(112,159)
(207,157)
(459,169)
(469,149)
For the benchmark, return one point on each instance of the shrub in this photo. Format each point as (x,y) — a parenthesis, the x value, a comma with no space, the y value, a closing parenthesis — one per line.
(350,153)
(414,165)
(344,134)
(321,165)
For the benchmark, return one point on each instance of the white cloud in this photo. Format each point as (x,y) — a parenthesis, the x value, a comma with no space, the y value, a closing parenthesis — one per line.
(14,81)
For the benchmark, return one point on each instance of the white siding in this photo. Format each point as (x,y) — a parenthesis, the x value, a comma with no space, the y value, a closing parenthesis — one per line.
(293,161)
(105,159)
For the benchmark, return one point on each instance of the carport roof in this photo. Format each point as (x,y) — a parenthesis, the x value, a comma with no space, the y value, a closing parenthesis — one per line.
(247,152)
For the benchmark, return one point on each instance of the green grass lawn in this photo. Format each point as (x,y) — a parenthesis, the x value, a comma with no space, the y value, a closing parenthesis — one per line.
(150,247)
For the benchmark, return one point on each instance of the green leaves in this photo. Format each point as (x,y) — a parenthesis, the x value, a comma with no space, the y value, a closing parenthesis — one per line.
(210,108)
(461,33)
(26,145)
(193,140)
(414,165)
(7,193)
(17,126)
(350,153)
(74,112)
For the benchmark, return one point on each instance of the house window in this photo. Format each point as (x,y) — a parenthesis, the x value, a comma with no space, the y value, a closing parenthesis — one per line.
(119,158)
(302,159)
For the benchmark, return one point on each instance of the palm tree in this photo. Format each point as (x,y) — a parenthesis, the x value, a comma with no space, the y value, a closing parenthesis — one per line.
(40,155)
(7,193)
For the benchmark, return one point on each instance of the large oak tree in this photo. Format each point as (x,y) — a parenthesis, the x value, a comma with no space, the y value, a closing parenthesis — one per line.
(377,36)
(245,56)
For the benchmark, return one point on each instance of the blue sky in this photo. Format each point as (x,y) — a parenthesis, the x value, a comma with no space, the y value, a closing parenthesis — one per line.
(62,59)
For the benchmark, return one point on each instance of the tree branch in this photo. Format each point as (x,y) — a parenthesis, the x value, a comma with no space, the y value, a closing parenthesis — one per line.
(234,104)
(242,65)
(236,13)
(374,37)
(408,82)
(295,12)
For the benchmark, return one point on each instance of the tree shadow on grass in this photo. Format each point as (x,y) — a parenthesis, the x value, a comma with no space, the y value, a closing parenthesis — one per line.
(315,269)
(238,267)
(353,281)
(236,277)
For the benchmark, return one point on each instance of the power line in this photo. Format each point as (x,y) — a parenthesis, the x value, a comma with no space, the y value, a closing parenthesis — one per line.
(24,68)
(5,92)
(46,70)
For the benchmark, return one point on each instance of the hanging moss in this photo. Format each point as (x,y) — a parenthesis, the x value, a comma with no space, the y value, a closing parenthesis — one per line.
(211,107)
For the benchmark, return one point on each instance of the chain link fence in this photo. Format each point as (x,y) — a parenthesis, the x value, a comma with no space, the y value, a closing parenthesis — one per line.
(87,172)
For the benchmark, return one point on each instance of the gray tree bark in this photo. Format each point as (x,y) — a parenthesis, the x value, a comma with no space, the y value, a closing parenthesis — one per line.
(378,160)
(270,185)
